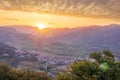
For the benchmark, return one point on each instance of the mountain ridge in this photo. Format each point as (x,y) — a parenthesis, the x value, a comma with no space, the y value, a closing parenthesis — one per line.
(81,40)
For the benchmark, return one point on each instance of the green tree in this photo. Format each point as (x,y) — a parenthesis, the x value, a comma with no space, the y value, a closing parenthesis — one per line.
(9,73)
(102,67)
(4,68)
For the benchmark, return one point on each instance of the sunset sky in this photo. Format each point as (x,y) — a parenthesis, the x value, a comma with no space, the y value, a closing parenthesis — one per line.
(59,13)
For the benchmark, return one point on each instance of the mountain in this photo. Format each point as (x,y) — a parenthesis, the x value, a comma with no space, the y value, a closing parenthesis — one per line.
(93,38)
(14,38)
(83,40)
(28,47)
(93,35)
(64,41)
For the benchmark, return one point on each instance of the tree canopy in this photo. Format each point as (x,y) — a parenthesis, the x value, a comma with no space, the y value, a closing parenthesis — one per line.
(9,73)
(100,66)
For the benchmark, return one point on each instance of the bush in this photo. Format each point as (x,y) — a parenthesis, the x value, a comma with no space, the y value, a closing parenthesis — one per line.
(103,67)
(9,73)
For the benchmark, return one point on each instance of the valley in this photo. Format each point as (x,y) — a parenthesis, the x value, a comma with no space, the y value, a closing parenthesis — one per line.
(52,50)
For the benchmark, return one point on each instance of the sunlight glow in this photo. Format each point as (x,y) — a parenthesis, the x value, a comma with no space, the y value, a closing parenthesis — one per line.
(41,26)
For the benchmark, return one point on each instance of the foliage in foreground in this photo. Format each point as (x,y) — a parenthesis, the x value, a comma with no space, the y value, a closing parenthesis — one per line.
(102,66)
(9,73)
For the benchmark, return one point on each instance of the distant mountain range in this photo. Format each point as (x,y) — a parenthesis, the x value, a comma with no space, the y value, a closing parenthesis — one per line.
(78,41)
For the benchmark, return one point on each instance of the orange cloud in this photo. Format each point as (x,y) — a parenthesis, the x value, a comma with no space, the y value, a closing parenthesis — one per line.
(91,8)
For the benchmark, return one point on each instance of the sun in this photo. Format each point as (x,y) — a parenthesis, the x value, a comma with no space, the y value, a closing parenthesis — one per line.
(41,26)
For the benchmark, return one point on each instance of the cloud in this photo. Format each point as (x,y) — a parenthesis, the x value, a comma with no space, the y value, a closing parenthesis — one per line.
(91,8)
(10,19)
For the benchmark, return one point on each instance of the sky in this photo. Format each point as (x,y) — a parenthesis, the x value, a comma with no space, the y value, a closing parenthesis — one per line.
(59,13)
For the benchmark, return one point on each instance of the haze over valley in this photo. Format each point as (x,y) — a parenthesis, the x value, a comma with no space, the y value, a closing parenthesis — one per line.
(55,46)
